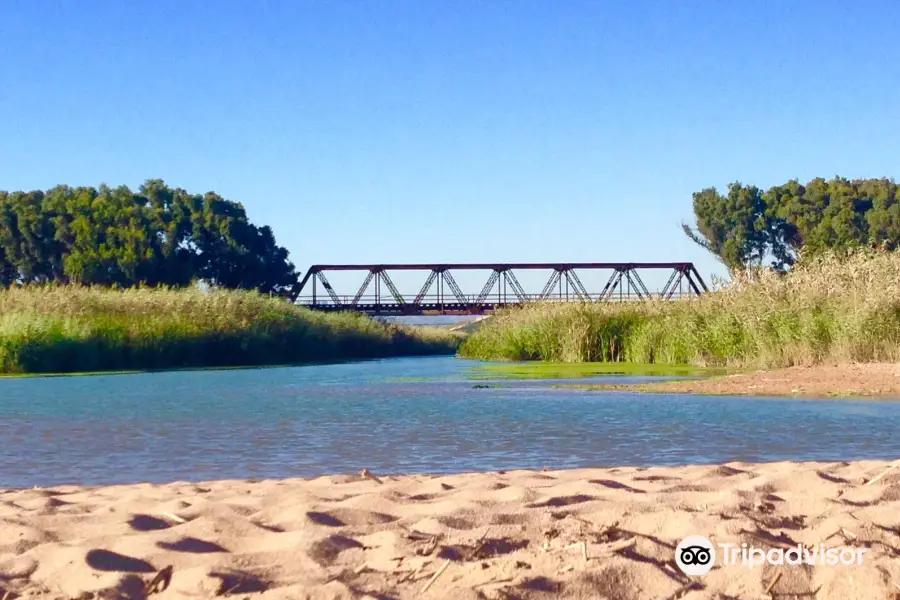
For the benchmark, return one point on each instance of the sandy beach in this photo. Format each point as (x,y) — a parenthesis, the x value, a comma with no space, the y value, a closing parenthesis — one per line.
(874,380)
(598,533)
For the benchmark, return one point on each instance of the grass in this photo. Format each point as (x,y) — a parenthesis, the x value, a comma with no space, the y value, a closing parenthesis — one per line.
(68,329)
(828,310)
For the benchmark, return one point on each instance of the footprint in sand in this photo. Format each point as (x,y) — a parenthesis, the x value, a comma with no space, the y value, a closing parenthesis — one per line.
(147,523)
(687,487)
(726,471)
(616,485)
(652,478)
(106,560)
(454,522)
(326,551)
(558,501)
(343,517)
(191,544)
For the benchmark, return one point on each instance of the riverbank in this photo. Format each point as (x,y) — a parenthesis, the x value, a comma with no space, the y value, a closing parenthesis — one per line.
(599,533)
(875,380)
(825,311)
(70,329)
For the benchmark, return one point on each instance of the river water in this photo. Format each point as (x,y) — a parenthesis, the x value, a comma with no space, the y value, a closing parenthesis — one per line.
(312,420)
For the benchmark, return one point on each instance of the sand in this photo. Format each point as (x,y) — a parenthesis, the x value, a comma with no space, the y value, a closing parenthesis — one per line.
(877,380)
(585,533)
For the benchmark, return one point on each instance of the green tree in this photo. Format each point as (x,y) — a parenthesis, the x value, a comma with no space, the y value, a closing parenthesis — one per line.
(732,227)
(118,237)
(9,274)
(744,226)
(234,253)
(883,218)
(170,233)
(26,235)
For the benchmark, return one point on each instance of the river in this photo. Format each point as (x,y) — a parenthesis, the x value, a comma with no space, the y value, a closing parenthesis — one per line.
(382,415)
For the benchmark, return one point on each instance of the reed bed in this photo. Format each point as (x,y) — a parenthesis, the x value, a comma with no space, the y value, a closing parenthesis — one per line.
(64,329)
(831,309)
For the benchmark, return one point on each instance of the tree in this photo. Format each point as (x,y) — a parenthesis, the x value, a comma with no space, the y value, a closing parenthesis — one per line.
(732,227)
(8,271)
(837,214)
(157,235)
(171,226)
(235,253)
(883,218)
(26,235)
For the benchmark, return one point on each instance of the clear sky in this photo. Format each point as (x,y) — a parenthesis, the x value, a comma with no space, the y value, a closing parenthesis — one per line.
(451,131)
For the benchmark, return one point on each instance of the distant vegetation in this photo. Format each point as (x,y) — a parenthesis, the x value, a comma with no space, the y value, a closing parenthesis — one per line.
(97,279)
(78,265)
(831,307)
(117,237)
(56,329)
(748,227)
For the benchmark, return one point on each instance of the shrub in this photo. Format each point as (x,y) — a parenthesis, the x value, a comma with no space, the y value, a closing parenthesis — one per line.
(833,308)
(45,329)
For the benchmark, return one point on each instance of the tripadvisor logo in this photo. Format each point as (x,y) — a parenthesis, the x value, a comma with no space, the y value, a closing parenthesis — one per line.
(696,555)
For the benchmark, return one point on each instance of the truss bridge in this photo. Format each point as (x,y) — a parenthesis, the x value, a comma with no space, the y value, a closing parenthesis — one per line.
(441,294)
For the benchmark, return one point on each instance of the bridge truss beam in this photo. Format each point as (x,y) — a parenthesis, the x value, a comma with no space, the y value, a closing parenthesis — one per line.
(501,289)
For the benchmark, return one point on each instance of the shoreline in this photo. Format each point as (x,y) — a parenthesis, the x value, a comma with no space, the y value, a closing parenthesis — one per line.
(859,380)
(322,363)
(589,532)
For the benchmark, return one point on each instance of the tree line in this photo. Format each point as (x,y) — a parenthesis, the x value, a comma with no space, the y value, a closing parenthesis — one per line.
(747,226)
(117,237)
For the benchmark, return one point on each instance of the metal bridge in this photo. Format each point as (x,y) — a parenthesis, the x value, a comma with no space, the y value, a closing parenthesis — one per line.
(501,289)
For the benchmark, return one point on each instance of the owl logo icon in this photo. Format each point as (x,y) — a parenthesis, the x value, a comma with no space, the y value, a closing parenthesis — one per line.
(695,555)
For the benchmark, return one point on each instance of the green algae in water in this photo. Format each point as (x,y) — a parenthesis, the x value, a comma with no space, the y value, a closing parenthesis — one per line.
(552,370)
(557,370)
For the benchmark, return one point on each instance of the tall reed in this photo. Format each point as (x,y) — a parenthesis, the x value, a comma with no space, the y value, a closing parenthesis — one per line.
(54,329)
(831,309)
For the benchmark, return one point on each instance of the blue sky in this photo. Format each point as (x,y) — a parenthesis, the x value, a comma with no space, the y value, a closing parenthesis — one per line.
(426,131)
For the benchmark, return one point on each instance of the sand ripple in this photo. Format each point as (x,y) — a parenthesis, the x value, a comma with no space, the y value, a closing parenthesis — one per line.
(499,535)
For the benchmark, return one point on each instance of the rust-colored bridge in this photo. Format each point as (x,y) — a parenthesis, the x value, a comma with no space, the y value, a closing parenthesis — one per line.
(501,289)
